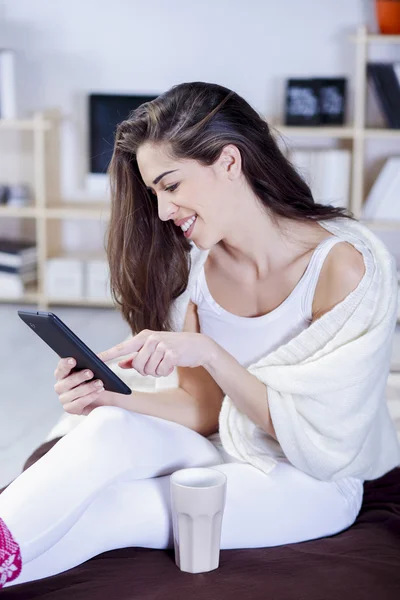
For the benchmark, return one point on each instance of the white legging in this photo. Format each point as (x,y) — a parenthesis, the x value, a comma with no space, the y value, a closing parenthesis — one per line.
(105,485)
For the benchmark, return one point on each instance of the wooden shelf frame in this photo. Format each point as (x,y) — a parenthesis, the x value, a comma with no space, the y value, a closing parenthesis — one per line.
(47,206)
(357,132)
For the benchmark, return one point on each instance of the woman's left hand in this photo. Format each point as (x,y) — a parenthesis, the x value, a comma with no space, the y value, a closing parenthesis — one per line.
(157,353)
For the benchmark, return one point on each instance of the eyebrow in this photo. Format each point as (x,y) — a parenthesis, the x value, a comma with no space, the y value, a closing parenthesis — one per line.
(157,179)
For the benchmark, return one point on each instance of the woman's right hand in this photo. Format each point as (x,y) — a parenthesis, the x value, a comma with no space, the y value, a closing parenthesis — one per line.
(78,395)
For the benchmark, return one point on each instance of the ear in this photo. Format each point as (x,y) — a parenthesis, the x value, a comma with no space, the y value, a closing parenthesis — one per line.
(231,161)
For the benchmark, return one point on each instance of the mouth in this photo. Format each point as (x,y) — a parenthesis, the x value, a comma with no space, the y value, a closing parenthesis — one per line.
(188,227)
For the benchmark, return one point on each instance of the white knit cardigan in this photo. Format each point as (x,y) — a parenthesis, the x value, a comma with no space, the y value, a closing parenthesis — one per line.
(326,386)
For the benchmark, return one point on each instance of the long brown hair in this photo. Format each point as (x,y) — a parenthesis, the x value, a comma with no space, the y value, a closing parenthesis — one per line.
(149,258)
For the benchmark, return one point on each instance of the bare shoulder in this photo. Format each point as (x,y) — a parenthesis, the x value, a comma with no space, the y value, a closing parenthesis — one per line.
(341,273)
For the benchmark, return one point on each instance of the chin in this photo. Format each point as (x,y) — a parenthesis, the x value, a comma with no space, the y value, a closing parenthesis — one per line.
(203,245)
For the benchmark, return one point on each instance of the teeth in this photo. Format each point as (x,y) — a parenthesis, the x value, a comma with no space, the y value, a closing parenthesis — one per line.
(188,223)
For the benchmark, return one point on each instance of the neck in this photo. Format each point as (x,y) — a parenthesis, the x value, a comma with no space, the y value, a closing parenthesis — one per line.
(258,244)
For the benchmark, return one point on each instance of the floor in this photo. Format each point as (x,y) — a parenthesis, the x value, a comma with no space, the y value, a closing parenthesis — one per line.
(29,406)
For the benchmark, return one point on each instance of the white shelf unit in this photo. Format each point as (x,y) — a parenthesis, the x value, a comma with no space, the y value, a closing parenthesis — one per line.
(49,208)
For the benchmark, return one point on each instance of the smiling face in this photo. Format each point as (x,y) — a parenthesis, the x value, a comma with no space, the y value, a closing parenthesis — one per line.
(189,188)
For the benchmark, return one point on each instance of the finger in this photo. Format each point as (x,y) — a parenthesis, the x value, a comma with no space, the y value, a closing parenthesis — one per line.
(167,365)
(144,355)
(77,393)
(73,380)
(155,359)
(78,407)
(127,362)
(126,347)
(64,367)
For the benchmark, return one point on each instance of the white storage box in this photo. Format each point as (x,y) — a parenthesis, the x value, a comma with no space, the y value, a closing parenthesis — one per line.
(97,280)
(64,278)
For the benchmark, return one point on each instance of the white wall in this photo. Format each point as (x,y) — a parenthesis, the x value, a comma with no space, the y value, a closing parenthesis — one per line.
(68,49)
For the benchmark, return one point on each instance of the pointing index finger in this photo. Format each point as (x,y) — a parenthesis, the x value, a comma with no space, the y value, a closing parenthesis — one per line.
(121,349)
(113,352)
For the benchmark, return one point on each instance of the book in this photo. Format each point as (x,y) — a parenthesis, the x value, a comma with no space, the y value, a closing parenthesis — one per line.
(12,285)
(64,276)
(327,172)
(26,273)
(373,73)
(396,73)
(8,108)
(392,91)
(97,279)
(387,91)
(389,208)
(383,201)
(13,280)
(3,193)
(19,195)
(332,100)
(15,253)
(398,301)
(396,69)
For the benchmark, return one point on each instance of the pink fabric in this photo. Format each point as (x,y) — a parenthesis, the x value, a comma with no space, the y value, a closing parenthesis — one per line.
(10,556)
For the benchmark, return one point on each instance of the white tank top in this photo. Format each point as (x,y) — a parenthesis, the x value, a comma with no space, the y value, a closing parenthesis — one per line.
(250,338)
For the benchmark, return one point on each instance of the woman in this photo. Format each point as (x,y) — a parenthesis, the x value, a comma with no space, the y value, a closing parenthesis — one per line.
(273,313)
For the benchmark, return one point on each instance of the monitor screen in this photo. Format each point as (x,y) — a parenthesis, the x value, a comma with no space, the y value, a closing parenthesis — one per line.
(105,112)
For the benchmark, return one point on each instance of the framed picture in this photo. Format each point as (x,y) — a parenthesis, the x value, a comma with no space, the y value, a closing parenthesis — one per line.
(302,102)
(332,100)
(315,101)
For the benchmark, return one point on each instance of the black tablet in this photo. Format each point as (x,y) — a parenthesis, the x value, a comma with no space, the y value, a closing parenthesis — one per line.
(65,343)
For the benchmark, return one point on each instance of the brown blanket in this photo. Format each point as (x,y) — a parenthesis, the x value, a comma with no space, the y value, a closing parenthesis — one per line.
(361,563)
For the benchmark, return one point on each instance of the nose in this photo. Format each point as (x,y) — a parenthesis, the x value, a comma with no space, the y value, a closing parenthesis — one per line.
(166,210)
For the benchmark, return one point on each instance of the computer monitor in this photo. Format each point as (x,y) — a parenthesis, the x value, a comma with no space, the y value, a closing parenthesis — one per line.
(106,111)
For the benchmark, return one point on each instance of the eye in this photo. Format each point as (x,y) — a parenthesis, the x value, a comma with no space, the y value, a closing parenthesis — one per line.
(172,188)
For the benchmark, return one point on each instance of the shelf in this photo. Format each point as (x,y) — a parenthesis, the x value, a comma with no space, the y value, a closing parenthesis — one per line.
(316,131)
(80,302)
(18,211)
(380,38)
(337,132)
(24,124)
(383,39)
(81,211)
(31,296)
(381,133)
(389,225)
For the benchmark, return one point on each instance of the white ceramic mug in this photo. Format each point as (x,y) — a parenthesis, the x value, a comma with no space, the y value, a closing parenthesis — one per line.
(198,497)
